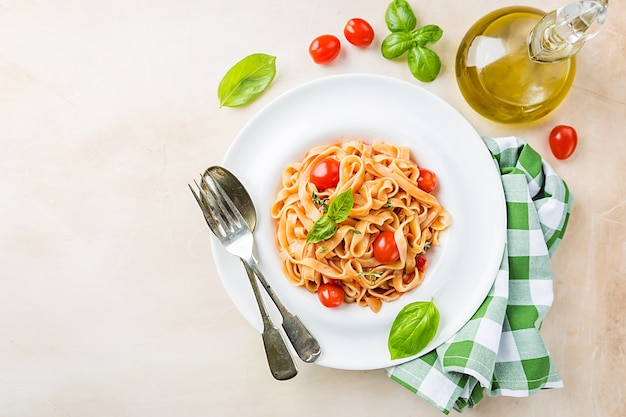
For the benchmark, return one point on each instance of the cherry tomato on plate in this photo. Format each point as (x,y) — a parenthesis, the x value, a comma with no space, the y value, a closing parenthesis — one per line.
(385,248)
(358,32)
(324,49)
(330,295)
(427,180)
(325,174)
(563,140)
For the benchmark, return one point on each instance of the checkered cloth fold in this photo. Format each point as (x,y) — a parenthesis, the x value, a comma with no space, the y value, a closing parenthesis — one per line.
(499,351)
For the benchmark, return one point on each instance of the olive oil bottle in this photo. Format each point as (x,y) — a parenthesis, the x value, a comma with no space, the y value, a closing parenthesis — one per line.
(517,64)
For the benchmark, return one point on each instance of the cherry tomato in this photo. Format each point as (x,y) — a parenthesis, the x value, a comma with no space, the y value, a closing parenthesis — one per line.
(427,180)
(330,295)
(358,32)
(421,262)
(325,174)
(385,248)
(563,140)
(324,49)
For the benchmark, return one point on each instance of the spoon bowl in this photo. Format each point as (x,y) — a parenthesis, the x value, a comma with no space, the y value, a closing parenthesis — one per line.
(236,191)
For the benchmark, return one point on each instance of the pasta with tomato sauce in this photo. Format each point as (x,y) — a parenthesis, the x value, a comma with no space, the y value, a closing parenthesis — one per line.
(387,203)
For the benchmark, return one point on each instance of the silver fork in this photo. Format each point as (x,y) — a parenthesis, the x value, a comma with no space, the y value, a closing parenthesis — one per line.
(237,238)
(229,226)
(279,360)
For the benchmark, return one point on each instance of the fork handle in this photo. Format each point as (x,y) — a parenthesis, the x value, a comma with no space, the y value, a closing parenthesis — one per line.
(305,344)
(279,359)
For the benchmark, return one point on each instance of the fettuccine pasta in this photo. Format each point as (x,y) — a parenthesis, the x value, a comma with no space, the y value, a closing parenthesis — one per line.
(383,180)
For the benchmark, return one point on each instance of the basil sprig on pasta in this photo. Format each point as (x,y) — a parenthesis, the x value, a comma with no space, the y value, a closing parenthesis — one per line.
(414,327)
(338,211)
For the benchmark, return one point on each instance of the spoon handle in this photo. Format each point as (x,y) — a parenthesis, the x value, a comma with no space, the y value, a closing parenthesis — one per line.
(306,345)
(279,359)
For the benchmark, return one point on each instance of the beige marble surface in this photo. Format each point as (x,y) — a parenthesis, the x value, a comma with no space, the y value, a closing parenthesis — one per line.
(110,303)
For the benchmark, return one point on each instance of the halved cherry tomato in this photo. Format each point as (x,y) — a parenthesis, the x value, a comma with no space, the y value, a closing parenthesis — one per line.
(427,180)
(421,262)
(325,174)
(324,48)
(330,295)
(385,248)
(563,140)
(358,32)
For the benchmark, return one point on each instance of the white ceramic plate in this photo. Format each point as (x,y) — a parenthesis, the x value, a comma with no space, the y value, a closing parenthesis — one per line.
(372,108)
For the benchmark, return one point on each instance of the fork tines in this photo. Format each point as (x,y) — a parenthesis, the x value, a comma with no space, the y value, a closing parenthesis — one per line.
(218,209)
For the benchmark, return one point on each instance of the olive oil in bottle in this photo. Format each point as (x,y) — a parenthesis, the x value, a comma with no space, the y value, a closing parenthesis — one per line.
(517,64)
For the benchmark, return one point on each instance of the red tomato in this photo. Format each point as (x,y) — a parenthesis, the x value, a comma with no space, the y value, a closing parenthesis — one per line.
(427,180)
(358,32)
(421,263)
(385,248)
(324,49)
(325,174)
(563,140)
(330,295)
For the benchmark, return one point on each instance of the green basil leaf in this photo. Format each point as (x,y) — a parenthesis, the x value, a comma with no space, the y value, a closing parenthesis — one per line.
(414,327)
(246,80)
(424,64)
(427,35)
(322,229)
(396,44)
(338,210)
(340,207)
(399,17)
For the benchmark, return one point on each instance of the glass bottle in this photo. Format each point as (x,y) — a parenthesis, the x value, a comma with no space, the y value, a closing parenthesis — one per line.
(517,64)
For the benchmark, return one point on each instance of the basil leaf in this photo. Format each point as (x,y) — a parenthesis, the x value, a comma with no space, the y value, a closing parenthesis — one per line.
(424,64)
(427,35)
(338,210)
(340,207)
(322,229)
(246,80)
(414,327)
(396,44)
(399,17)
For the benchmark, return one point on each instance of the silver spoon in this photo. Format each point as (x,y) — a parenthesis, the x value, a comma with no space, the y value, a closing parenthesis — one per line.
(305,345)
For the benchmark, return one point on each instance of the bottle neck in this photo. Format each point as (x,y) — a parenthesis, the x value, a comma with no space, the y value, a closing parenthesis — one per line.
(561,33)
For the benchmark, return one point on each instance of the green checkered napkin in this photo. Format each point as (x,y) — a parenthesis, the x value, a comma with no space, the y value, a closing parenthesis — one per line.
(499,351)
